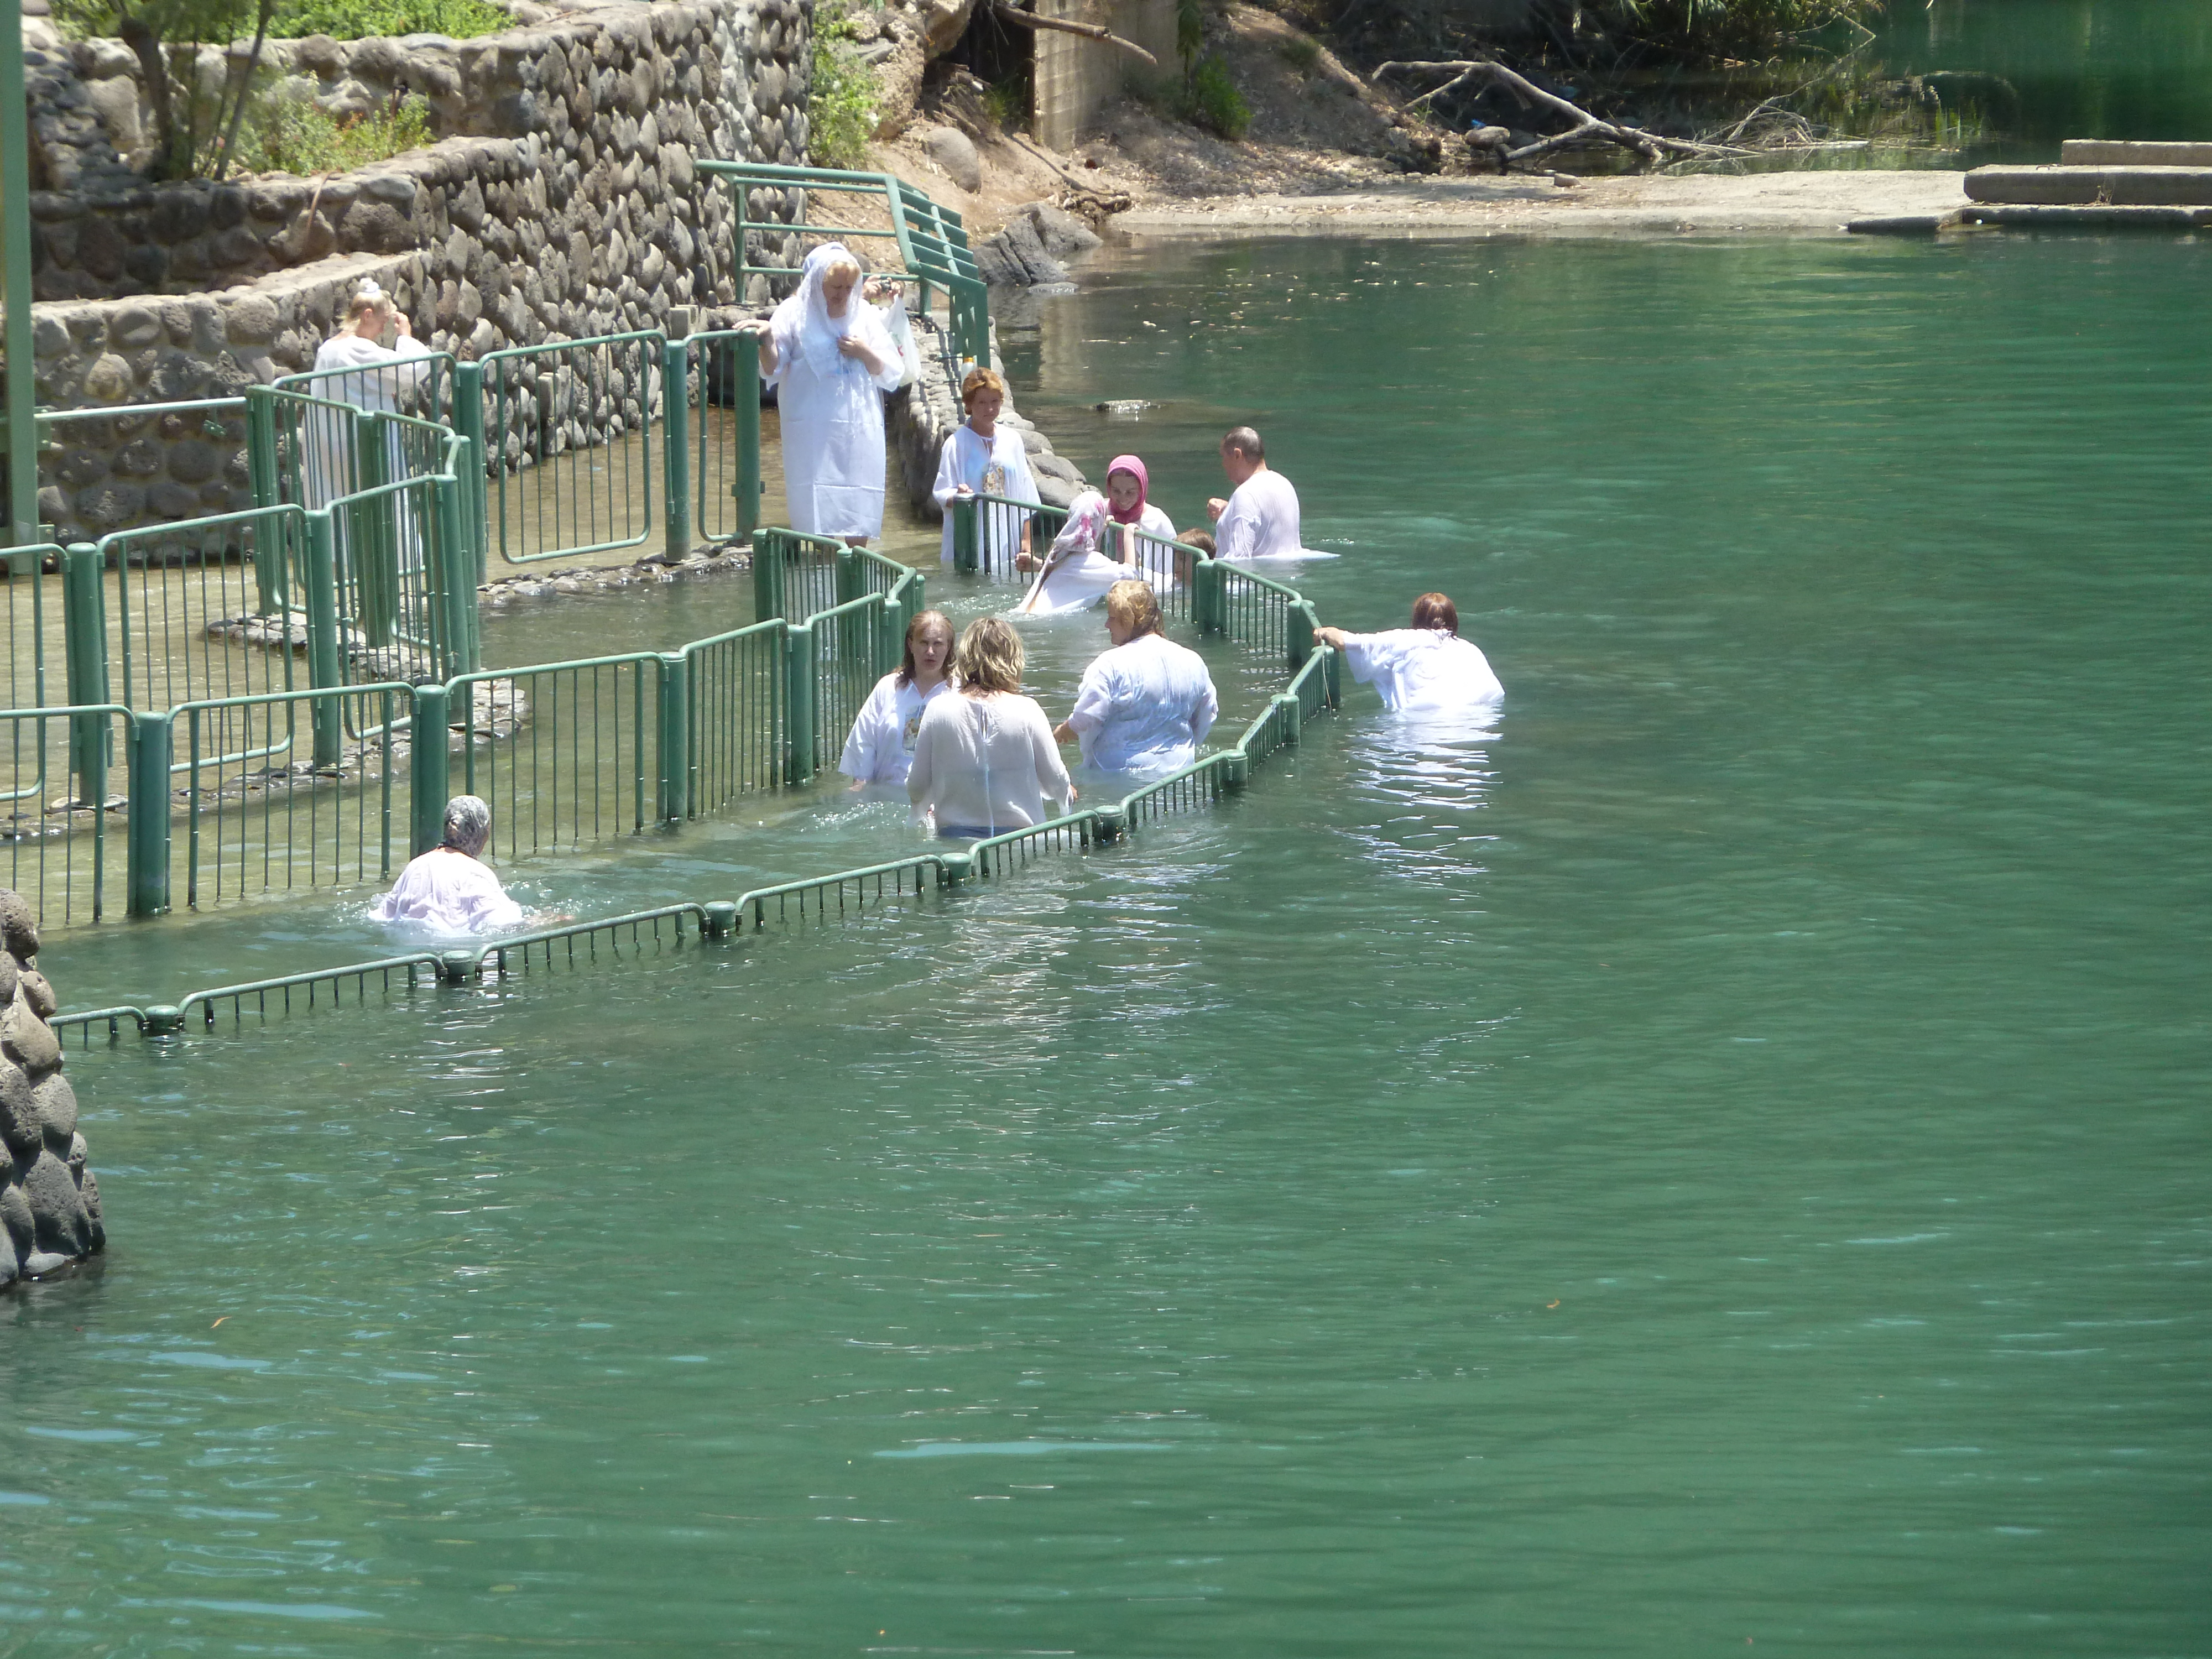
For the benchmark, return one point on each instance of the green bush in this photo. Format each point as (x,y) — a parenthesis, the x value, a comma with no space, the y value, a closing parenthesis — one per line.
(290,135)
(1212,101)
(356,20)
(1302,53)
(840,108)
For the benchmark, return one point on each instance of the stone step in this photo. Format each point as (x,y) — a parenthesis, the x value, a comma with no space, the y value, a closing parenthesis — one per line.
(2117,187)
(2088,217)
(2130,153)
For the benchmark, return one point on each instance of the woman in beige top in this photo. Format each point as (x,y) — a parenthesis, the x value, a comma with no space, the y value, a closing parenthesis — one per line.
(984,760)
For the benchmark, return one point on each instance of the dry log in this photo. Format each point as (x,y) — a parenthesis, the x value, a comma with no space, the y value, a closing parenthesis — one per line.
(1030,19)
(1587,128)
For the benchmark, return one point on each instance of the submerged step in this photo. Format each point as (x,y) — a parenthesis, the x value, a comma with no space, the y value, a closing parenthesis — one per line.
(2130,152)
(2093,216)
(2118,187)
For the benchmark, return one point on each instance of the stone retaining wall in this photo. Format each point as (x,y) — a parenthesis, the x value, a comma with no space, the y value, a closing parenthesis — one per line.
(586,217)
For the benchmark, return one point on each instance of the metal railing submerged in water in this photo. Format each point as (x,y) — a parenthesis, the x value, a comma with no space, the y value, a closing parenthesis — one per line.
(839,895)
(55,841)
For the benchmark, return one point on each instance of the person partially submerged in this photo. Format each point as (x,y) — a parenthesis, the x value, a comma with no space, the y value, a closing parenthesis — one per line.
(450,889)
(1426,668)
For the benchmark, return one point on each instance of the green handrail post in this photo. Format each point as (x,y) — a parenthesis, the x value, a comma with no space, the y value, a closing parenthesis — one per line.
(767,575)
(430,772)
(745,366)
(966,542)
(374,544)
(851,575)
(1299,625)
(1208,594)
(84,640)
(469,421)
(454,570)
(147,849)
(675,797)
(676,458)
(799,649)
(325,669)
(261,470)
(891,625)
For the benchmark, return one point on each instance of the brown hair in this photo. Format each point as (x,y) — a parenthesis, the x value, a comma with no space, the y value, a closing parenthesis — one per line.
(1243,438)
(989,657)
(906,666)
(1201,540)
(1435,611)
(980,379)
(1133,605)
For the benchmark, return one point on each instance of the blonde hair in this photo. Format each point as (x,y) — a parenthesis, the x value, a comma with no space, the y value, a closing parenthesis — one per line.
(1133,605)
(836,265)
(927,618)
(367,303)
(989,657)
(980,379)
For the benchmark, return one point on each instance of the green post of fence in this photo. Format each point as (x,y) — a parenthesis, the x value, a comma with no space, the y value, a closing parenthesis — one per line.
(851,575)
(1205,592)
(469,421)
(1298,634)
(799,648)
(890,635)
(428,773)
(325,667)
(84,640)
(966,544)
(676,461)
(261,470)
(148,845)
(455,571)
(374,546)
(767,575)
(744,373)
(675,798)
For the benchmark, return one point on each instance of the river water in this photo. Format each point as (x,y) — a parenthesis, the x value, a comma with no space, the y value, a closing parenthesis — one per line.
(1716,1164)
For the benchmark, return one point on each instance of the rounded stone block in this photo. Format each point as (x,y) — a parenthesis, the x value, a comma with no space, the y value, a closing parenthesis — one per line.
(56,1208)
(29,1042)
(19,1127)
(35,990)
(15,1218)
(54,1102)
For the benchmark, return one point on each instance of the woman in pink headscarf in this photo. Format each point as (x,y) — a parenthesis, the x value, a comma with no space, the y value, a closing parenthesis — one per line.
(1093,551)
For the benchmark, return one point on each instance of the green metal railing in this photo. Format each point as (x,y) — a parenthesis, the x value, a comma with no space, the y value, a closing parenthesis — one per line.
(569,435)
(929,241)
(722,373)
(735,739)
(23,569)
(54,820)
(989,532)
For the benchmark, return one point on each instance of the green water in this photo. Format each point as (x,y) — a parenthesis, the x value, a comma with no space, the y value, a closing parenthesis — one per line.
(1719,1164)
(2083,68)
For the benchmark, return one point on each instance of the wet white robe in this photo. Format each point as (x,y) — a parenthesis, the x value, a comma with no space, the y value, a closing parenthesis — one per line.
(986,765)
(998,467)
(1261,521)
(880,747)
(351,370)
(1423,670)
(1144,707)
(447,892)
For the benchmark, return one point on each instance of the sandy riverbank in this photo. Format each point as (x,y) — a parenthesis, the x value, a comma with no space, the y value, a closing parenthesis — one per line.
(1770,204)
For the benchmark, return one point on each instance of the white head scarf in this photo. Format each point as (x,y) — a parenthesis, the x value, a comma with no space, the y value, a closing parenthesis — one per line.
(803,324)
(1086,518)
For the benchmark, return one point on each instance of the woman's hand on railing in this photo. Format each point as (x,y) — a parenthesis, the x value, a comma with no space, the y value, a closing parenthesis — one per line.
(1331,637)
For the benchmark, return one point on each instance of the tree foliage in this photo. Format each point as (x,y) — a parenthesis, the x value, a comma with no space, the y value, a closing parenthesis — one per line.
(195,122)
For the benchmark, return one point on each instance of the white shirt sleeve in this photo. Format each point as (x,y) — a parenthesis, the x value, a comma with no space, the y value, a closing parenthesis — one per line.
(1208,709)
(874,729)
(948,470)
(1237,534)
(1053,781)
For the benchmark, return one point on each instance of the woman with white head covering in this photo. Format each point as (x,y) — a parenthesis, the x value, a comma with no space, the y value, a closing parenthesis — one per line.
(832,358)
(449,890)
(1076,574)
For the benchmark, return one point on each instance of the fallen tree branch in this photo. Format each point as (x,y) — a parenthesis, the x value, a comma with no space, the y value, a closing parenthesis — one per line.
(1030,19)
(1587,128)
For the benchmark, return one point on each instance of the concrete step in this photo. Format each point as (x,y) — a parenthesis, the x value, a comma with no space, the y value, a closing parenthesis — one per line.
(2117,186)
(2130,153)
(2098,217)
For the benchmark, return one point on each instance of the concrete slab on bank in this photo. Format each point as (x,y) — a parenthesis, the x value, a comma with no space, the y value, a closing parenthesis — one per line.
(1706,204)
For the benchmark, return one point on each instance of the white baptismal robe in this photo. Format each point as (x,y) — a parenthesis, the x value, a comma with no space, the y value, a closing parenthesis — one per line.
(1080,580)
(1145,707)
(880,747)
(832,418)
(1423,670)
(986,765)
(1261,519)
(998,466)
(351,370)
(448,892)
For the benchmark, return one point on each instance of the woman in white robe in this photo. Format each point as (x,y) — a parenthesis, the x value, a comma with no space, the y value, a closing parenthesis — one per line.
(1146,704)
(1076,574)
(1426,668)
(981,458)
(880,747)
(450,890)
(985,762)
(354,367)
(1128,491)
(831,358)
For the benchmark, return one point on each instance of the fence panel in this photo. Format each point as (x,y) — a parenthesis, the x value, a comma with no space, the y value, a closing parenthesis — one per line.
(396,579)
(259,816)
(737,713)
(420,385)
(1165,567)
(569,430)
(1002,530)
(566,753)
(197,607)
(845,672)
(63,849)
(795,576)
(24,568)
(1254,611)
(726,472)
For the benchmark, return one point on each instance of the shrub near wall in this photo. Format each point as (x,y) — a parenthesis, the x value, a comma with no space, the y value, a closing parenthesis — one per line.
(589,218)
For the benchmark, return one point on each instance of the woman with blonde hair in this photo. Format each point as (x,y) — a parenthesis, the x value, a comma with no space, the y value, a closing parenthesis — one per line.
(831,357)
(981,458)
(881,747)
(985,762)
(354,366)
(1146,704)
